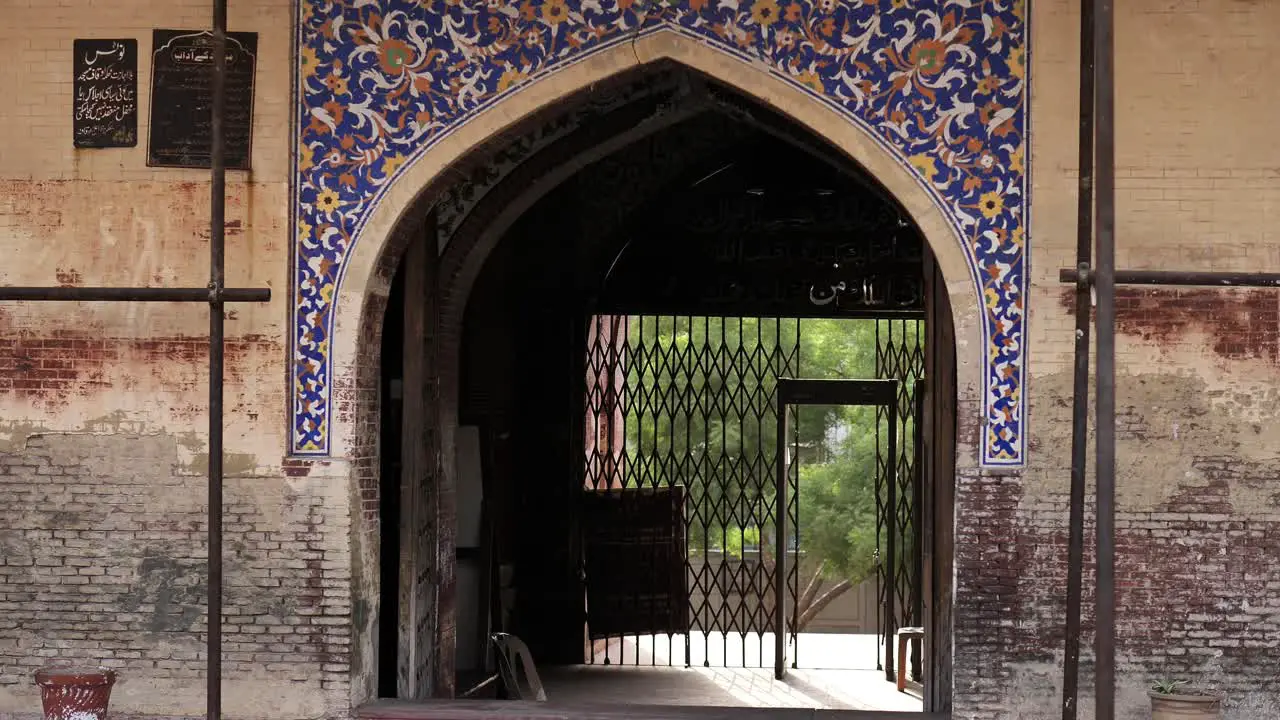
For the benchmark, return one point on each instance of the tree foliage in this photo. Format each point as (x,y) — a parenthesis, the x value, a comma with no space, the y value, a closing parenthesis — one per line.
(699,412)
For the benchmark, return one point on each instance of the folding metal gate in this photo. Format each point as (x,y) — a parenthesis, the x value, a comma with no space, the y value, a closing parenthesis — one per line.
(680,426)
(899,356)
(693,322)
(684,406)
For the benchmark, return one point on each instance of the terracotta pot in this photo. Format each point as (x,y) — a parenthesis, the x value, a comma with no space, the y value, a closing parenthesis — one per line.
(75,693)
(1185,707)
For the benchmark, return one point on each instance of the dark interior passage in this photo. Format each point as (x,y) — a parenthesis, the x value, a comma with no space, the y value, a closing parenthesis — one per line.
(718,216)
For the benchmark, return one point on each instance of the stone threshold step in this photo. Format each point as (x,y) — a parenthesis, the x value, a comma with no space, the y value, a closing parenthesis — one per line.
(511,710)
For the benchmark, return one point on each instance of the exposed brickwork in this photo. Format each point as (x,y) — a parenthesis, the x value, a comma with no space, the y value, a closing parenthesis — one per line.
(363,400)
(1196,578)
(49,369)
(101,535)
(102,553)
(1196,534)
(989,564)
(103,561)
(1197,368)
(1237,324)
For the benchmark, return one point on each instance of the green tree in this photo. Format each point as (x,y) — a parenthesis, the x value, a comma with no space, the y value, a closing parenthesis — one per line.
(838,513)
(698,405)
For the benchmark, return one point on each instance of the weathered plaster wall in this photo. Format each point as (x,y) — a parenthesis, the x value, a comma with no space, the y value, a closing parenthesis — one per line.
(102,407)
(102,427)
(1198,181)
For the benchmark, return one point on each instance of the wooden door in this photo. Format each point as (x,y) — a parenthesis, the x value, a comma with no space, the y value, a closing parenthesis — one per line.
(938,489)
(635,560)
(424,658)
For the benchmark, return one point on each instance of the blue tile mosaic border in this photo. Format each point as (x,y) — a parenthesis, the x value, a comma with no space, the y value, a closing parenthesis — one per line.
(941,84)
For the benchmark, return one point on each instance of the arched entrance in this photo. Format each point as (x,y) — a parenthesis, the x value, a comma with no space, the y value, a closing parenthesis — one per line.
(929,98)
(462,283)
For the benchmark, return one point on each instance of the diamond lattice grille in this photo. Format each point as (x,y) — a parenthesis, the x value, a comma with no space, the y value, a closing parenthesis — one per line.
(899,356)
(689,402)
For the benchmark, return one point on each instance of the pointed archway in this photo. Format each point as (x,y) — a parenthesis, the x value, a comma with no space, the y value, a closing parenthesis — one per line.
(471,242)
(929,128)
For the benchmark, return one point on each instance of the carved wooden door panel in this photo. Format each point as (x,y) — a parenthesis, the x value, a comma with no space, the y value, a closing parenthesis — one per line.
(938,491)
(424,669)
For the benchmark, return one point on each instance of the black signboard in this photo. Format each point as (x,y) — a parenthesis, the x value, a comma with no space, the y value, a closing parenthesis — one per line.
(105,93)
(182,98)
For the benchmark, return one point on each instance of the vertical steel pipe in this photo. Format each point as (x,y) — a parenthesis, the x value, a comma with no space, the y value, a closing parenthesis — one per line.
(780,545)
(917,518)
(1080,401)
(217,281)
(1104,285)
(891,539)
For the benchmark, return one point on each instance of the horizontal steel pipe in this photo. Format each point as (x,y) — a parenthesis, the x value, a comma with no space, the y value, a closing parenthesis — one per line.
(140,294)
(1175,277)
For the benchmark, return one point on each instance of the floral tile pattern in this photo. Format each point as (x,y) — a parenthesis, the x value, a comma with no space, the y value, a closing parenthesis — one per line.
(941,84)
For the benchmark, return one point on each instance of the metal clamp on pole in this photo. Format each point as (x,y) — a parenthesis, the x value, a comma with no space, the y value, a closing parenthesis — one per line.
(1083,276)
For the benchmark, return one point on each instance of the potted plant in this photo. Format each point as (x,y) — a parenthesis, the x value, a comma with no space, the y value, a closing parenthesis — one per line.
(1171,701)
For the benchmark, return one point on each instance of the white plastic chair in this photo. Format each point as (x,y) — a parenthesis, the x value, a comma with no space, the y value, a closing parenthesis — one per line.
(513,654)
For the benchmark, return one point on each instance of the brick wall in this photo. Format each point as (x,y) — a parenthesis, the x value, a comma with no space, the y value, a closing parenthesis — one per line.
(1197,184)
(102,407)
(102,426)
(104,560)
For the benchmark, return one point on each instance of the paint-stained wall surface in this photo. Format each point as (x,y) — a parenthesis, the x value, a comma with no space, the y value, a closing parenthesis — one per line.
(103,426)
(1198,380)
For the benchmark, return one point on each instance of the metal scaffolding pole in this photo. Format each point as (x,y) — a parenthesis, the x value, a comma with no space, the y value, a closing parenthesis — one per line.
(1103,280)
(130,294)
(1104,285)
(217,333)
(1184,278)
(1080,399)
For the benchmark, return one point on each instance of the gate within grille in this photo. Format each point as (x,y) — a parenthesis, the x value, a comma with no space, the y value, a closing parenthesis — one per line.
(678,519)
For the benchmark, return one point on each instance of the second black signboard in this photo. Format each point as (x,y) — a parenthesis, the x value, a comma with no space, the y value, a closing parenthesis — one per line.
(182,98)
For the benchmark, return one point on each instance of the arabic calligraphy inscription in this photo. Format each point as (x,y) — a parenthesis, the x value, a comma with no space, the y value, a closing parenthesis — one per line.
(105,93)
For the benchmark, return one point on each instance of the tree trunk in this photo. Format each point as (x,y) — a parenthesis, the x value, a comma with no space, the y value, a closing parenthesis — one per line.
(809,613)
(811,590)
(807,604)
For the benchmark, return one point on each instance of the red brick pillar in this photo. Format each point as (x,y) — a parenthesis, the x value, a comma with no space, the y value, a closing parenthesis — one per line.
(75,693)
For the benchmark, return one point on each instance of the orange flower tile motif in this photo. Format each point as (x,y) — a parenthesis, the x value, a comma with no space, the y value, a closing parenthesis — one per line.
(941,85)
